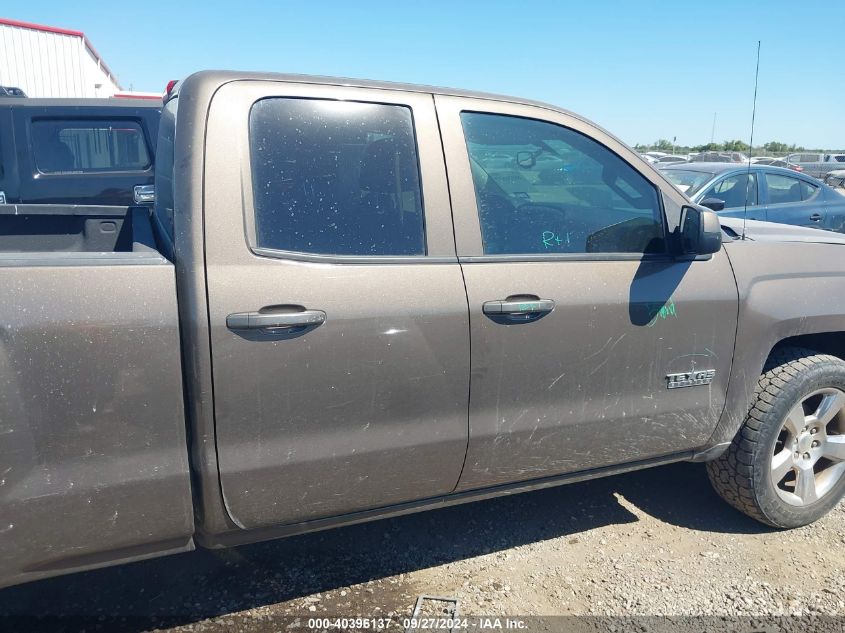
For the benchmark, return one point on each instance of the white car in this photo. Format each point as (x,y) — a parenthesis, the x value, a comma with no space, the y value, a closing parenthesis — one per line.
(672,158)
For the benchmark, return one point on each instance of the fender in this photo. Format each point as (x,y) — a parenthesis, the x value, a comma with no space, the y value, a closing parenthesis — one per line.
(786,289)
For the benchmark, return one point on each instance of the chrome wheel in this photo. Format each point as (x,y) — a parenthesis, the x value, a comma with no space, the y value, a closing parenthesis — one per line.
(808,459)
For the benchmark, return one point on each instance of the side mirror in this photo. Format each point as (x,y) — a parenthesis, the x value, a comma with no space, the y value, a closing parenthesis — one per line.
(699,233)
(144,194)
(526,160)
(713,203)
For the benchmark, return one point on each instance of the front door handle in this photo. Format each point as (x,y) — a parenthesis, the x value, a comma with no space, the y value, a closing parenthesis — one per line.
(816,217)
(275,320)
(518,308)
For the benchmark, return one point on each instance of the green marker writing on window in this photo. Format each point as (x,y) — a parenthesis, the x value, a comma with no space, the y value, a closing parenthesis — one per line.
(550,238)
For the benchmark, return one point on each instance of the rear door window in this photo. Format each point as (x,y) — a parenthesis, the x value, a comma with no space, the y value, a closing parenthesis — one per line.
(783,189)
(86,145)
(808,190)
(335,178)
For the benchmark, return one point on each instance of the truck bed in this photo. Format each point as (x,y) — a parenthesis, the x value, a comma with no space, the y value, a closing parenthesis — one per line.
(54,228)
(92,425)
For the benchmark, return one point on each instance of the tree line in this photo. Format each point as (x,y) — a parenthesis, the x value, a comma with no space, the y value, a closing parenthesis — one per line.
(772,147)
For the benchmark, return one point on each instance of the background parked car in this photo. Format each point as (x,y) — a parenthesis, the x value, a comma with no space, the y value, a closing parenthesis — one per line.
(774,194)
(11,91)
(815,164)
(719,157)
(672,158)
(775,162)
(836,179)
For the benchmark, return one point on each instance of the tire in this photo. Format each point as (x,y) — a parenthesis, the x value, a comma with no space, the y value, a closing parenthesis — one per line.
(786,465)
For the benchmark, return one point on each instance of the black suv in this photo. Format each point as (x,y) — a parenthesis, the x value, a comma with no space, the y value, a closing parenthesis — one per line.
(76,151)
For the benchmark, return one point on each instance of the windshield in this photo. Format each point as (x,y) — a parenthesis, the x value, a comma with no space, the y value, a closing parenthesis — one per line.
(688,181)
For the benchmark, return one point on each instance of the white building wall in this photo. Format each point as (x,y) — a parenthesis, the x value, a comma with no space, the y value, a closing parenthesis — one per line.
(49,64)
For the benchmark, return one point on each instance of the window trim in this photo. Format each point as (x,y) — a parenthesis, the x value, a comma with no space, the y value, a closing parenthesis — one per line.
(332,258)
(666,255)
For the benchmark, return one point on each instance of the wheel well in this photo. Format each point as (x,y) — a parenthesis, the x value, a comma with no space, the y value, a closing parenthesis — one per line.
(832,343)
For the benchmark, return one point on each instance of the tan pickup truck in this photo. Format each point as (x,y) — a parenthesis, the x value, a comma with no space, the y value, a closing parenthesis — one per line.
(356,299)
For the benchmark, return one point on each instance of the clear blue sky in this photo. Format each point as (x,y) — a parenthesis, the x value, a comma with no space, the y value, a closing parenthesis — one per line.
(644,70)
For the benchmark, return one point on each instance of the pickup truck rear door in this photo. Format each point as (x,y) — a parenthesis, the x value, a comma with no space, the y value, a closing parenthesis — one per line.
(339,326)
(580,321)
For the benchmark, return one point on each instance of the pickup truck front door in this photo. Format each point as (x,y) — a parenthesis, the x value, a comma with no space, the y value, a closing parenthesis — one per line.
(338,315)
(580,321)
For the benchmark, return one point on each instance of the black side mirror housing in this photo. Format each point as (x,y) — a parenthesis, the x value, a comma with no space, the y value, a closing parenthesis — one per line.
(699,232)
(713,204)
(526,160)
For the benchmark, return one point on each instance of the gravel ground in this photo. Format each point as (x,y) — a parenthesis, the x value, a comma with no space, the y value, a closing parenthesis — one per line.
(655,542)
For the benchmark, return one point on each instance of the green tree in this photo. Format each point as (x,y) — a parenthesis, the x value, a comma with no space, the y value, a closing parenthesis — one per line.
(736,146)
(709,147)
(775,147)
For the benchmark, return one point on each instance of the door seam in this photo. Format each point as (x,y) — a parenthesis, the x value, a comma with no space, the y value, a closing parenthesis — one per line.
(466,292)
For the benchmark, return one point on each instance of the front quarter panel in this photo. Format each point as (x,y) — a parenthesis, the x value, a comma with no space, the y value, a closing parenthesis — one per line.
(786,289)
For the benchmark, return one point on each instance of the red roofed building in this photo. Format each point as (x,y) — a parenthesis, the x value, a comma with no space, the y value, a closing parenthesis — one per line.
(46,61)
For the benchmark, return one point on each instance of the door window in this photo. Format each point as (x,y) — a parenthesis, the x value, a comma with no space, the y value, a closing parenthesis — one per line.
(808,190)
(335,177)
(544,188)
(88,146)
(734,190)
(783,189)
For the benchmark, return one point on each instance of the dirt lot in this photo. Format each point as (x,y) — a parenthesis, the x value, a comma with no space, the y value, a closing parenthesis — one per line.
(652,542)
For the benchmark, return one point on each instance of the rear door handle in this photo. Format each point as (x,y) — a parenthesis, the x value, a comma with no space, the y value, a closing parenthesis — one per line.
(518,309)
(816,217)
(275,320)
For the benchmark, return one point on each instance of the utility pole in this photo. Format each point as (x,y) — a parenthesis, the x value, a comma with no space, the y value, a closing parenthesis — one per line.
(713,130)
